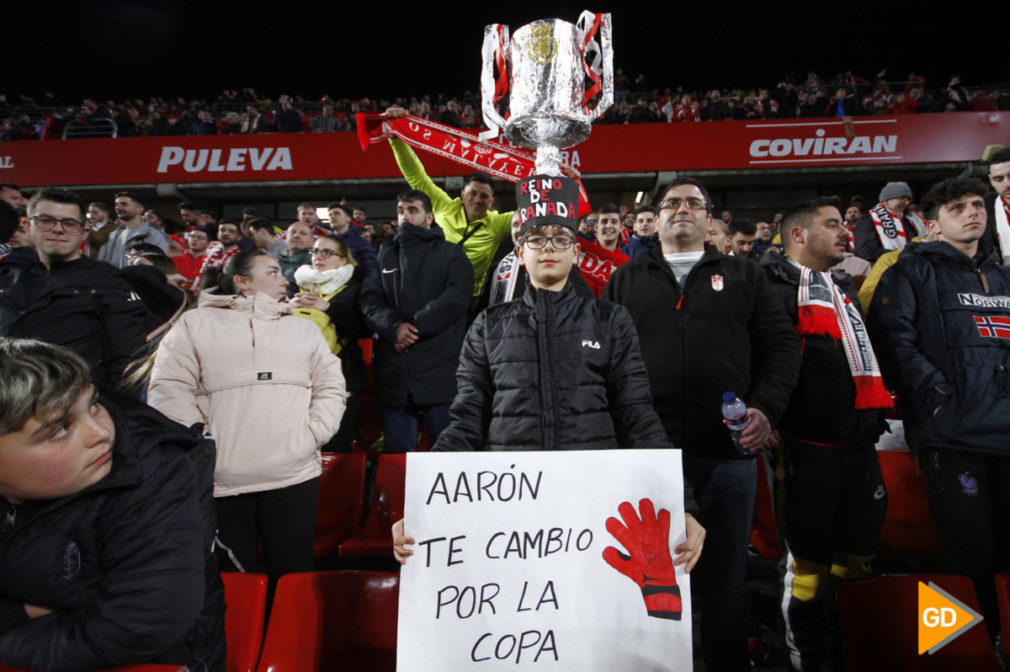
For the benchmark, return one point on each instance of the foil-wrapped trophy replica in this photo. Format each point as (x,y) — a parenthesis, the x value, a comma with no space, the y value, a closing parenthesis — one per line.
(551,62)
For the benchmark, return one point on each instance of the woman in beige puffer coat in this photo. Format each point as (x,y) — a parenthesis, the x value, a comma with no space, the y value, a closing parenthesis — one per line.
(267,388)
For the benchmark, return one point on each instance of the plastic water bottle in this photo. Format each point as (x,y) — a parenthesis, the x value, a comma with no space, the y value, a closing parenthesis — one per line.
(735,412)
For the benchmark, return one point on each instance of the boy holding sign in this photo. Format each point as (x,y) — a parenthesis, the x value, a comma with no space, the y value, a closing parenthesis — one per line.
(554,370)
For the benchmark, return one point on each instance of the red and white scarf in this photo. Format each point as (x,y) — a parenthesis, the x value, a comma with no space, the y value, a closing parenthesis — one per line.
(851,228)
(891,228)
(1002,224)
(490,156)
(505,279)
(464,147)
(824,310)
(215,258)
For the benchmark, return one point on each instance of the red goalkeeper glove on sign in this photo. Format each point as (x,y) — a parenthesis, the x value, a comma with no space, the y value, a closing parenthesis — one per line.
(647,539)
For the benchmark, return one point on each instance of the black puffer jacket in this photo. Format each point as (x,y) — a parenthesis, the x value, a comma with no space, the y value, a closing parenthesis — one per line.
(82,304)
(124,563)
(552,371)
(938,327)
(822,406)
(724,330)
(423,280)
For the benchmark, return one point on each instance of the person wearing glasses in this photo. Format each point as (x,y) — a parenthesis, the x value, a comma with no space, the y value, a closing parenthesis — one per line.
(329,294)
(416,299)
(55,294)
(554,369)
(709,324)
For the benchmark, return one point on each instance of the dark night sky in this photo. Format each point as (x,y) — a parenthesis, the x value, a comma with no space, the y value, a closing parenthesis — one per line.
(118,49)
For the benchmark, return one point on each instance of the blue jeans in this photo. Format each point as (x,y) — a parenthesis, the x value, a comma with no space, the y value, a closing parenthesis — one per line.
(399,425)
(725,491)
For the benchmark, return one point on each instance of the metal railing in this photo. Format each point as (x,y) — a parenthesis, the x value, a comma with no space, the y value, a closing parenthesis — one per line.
(90,128)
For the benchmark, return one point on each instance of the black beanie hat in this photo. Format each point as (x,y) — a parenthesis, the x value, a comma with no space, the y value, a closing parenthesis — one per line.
(547,200)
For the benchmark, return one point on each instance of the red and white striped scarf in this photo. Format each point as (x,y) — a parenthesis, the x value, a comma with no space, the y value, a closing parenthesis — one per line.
(1002,224)
(463,147)
(215,258)
(505,279)
(891,228)
(825,310)
(851,228)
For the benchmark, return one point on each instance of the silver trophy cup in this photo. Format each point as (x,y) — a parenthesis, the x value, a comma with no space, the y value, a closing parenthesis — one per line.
(550,62)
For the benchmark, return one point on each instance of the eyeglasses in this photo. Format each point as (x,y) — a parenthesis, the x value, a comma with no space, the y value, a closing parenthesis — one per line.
(675,203)
(560,242)
(46,223)
(324,253)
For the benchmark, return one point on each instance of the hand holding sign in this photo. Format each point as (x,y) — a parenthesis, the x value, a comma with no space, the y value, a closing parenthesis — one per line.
(400,543)
(689,551)
(649,563)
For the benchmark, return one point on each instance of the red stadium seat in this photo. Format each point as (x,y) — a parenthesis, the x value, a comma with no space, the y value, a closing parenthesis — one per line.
(880,619)
(341,500)
(333,621)
(374,538)
(246,598)
(1003,595)
(908,528)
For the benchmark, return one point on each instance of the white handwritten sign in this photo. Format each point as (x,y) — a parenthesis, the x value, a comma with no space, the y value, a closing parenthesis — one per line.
(544,560)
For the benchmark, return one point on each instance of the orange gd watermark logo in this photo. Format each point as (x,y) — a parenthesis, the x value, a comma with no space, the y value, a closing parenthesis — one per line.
(942,618)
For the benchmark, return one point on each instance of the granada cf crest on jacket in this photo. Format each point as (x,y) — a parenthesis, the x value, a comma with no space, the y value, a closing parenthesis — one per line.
(717,283)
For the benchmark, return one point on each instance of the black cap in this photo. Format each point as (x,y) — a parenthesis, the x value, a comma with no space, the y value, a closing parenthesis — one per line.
(547,200)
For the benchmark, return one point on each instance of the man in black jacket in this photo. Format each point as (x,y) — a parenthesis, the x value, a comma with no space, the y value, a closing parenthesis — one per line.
(361,249)
(833,493)
(64,298)
(416,299)
(941,324)
(104,553)
(708,323)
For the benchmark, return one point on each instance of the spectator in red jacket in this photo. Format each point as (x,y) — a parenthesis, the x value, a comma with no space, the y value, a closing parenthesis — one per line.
(189,262)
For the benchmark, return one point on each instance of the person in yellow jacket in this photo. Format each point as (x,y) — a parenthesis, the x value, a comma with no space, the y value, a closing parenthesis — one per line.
(884,262)
(467,220)
(328,295)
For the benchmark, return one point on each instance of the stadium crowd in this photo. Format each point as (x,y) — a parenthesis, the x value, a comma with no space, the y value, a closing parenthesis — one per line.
(184,328)
(637,100)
